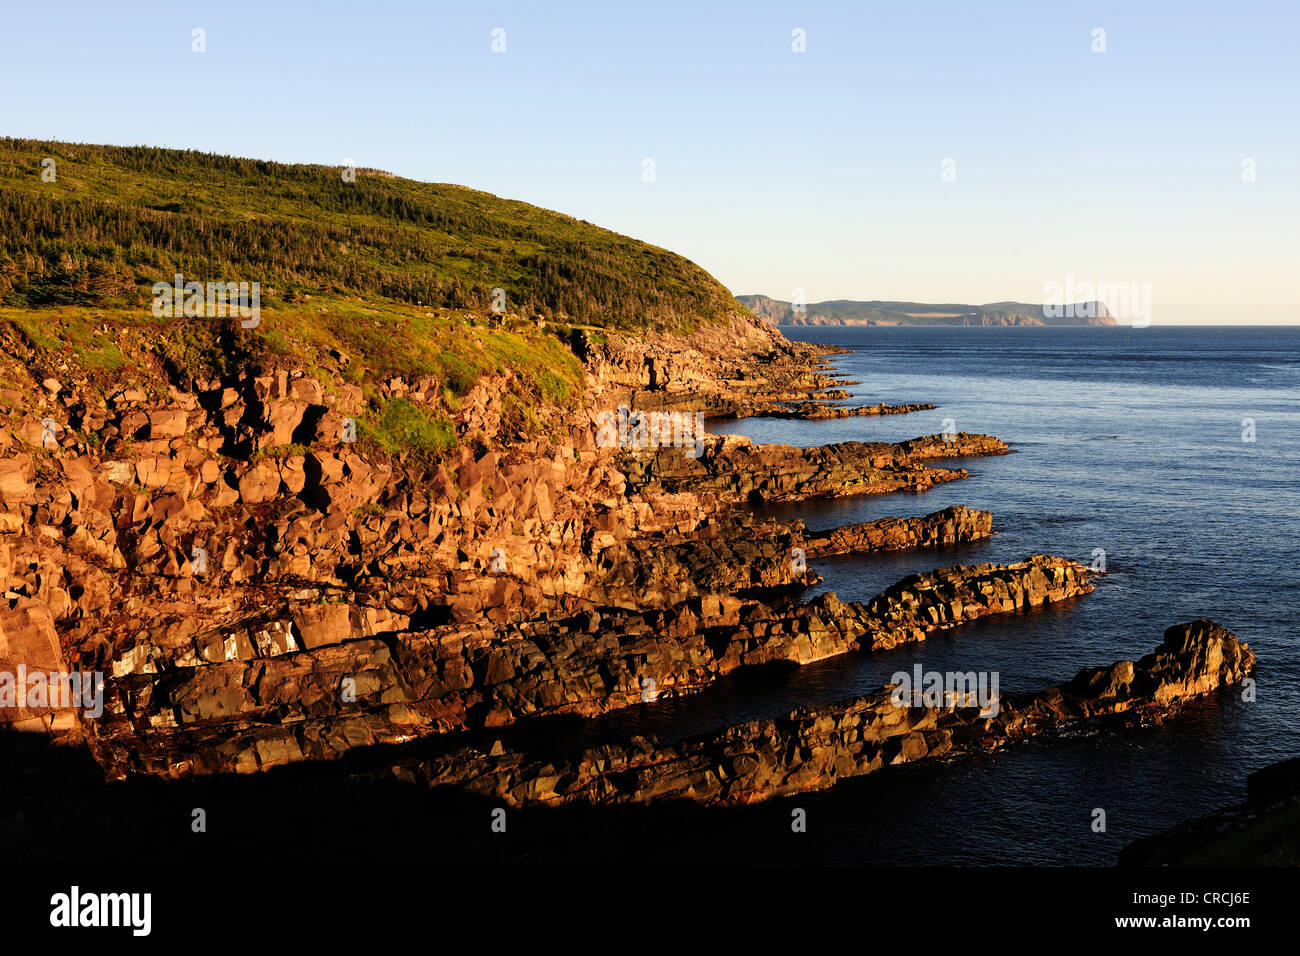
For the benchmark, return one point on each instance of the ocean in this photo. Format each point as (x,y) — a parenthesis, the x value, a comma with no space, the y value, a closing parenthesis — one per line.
(1131,442)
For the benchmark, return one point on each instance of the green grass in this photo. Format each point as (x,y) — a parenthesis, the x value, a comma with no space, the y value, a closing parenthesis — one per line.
(380,341)
(53,330)
(361,283)
(458,375)
(406,430)
(282,451)
(118,219)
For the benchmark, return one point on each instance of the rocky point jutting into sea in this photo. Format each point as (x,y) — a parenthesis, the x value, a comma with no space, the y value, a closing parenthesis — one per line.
(260,591)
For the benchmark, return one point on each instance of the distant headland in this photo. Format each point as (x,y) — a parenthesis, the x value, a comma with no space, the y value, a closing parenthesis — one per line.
(850,312)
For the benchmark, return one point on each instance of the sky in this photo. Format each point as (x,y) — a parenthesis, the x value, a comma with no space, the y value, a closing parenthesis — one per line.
(930,151)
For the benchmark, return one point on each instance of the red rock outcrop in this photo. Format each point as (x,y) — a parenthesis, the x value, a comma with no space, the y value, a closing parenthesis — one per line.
(734,469)
(814,747)
(950,526)
(410,683)
(29,645)
(732,368)
(819,410)
(260,589)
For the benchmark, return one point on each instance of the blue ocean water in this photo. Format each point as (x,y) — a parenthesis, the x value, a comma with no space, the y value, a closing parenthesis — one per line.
(1126,440)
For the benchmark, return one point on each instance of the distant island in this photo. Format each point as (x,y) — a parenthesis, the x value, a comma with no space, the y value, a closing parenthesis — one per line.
(850,312)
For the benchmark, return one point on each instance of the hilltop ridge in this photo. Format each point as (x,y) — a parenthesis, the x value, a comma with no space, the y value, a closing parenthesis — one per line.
(99,225)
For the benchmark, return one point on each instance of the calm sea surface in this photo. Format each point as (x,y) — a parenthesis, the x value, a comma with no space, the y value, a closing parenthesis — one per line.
(1126,440)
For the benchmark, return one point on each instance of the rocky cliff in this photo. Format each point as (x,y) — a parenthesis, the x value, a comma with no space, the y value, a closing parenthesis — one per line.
(262,589)
(221,547)
(814,747)
(360,538)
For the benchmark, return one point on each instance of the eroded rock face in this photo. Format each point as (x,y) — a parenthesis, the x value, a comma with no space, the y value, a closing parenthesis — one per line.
(821,410)
(1194,659)
(813,747)
(950,526)
(259,592)
(223,552)
(943,599)
(734,469)
(29,645)
(735,368)
(409,684)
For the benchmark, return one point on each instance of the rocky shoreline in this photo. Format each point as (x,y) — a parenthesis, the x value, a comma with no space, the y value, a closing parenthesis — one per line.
(819,410)
(814,747)
(260,591)
(457,678)
(734,469)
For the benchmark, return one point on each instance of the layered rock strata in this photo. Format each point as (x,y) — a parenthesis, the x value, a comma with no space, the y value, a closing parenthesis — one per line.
(727,369)
(259,589)
(819,410)
(282,707)
(812,748)
(950,526)
(733,468)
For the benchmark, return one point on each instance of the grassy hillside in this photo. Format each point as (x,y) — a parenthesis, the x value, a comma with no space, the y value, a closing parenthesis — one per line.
(362,283)
(118,219)
(101,350)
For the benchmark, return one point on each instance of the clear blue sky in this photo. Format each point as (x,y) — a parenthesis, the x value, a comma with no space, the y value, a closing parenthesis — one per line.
(774,170)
